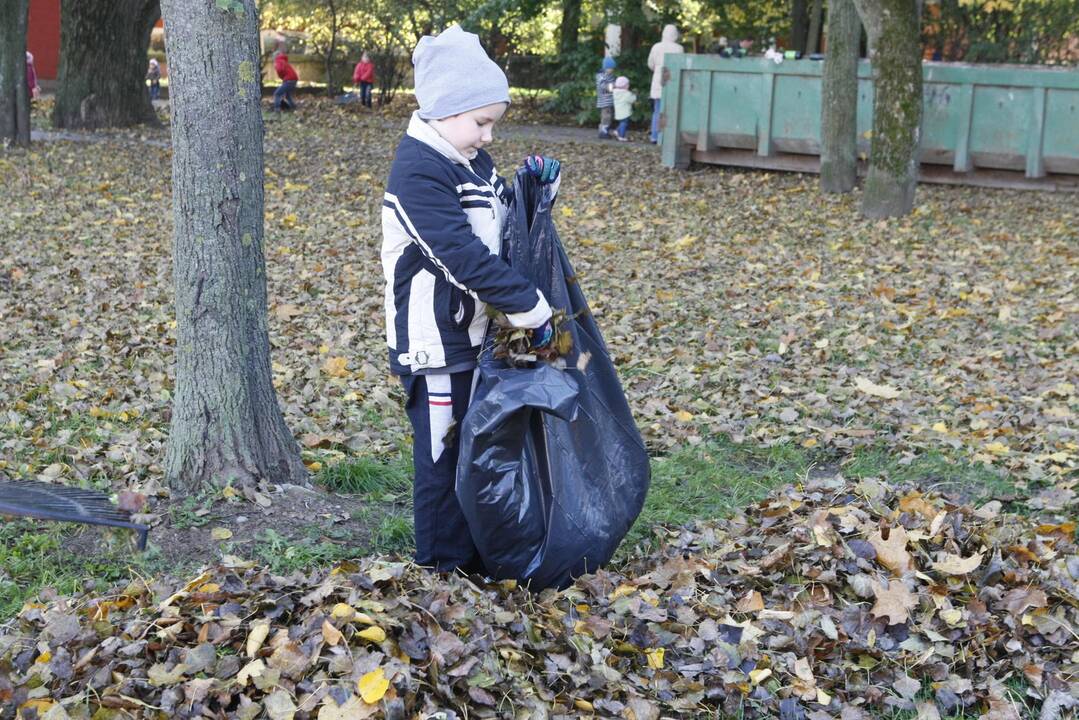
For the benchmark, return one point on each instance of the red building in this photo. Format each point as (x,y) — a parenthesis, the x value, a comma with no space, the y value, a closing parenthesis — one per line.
(43,37)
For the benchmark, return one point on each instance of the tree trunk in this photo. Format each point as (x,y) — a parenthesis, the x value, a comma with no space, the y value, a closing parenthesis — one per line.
(102,75)
(14,95)
(331,5)
(799,23)
(226,424)
(892,26)
(839,99)
(815,15)
(571,25)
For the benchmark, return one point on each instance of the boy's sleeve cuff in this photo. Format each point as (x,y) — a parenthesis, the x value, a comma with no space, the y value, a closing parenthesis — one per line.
(533,318)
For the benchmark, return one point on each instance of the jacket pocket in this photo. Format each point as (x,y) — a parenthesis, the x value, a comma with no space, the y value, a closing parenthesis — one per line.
(462,308)
(455,308)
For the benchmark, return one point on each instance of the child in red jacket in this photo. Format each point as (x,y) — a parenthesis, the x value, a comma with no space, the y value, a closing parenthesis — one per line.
(364,76)
(283,94)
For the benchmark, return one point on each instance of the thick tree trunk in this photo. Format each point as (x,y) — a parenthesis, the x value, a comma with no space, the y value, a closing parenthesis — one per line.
(14,95)
(226,423)
(571,25)
(102,76)
(839,99)
(896,54)
(799,24)
(813,39)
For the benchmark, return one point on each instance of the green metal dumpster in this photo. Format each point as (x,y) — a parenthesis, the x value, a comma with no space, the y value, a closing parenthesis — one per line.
(1012,126)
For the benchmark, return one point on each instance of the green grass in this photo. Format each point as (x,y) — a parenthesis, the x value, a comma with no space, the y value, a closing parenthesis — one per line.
(283,555)
(366,475)
(33,557)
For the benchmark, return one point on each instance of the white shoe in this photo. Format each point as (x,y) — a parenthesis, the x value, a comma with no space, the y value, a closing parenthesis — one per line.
(622,139)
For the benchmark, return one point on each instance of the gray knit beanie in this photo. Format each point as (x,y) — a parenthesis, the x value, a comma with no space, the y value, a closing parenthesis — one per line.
(454,75)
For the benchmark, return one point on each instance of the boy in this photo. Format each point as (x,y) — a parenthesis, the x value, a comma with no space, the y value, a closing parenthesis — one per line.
(282,96)
(442,229)
(605,97)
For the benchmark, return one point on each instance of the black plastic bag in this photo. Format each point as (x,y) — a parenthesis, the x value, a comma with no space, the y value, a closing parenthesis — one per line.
(552,470)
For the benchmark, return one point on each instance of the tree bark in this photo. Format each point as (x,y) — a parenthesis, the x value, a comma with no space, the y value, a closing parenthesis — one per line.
(14,95)
(226,423)
(896,54)
(839,99)
(570,27)
(799,23)
(102,75)
(331,7)
(815,15)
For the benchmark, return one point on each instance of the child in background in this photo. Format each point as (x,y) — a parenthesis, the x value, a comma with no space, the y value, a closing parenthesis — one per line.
(153,74)
(442,218)
(282,96)
(364,76)
(31,77)
(623,105)
(605,97)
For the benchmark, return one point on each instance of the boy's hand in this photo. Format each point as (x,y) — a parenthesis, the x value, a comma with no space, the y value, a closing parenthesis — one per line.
(545,169)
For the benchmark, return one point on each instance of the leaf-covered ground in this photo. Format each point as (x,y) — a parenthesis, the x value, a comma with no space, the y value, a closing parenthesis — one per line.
(827,600)
(734,302)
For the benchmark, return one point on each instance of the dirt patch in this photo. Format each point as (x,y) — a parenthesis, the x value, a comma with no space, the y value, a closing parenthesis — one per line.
(299,523)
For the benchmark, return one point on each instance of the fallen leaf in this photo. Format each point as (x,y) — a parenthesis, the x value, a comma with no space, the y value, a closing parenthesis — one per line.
(373,686)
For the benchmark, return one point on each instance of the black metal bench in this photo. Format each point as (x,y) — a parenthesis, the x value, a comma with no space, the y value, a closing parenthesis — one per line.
(44,501)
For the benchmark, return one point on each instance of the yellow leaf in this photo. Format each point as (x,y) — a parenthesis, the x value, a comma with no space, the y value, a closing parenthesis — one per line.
(683,416)
(220,533)
(567,211)
(956,564)
(655,658)
(373,686)
(44,657)
(584,706)
(871,388)
(342,611)
(41,705)
(374,633)
(257,636)
(940,427)
(336,367)
(759,675)
(314,466)
(997,448)
(330,634)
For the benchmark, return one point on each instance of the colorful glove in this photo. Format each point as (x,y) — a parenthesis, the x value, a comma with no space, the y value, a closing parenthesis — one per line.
(543,335)
(545,169)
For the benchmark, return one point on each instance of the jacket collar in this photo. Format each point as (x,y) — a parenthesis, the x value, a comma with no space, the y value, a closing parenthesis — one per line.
(422,131)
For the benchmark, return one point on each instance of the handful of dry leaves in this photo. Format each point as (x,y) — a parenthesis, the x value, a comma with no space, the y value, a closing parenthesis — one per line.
(515,344)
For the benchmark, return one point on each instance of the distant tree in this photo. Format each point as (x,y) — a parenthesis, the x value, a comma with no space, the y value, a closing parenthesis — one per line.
(839,99)
(896,56)
(14,95)
(103,54)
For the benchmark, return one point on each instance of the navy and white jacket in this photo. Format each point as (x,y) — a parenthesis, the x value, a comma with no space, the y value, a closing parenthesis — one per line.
(441,242)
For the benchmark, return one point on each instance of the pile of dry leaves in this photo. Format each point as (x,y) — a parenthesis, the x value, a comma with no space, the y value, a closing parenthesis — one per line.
(826,600)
